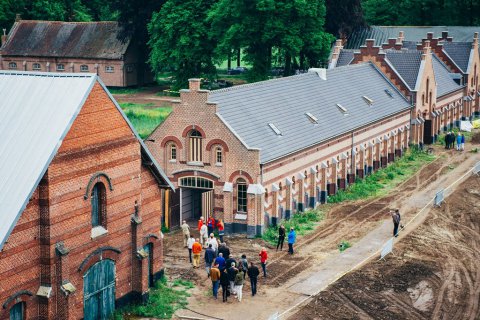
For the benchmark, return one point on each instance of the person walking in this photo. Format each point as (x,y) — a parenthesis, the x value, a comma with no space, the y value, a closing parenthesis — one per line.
(231,260)
(190,243)
(292,237)
(213,241)
(203,235)
(224,283)
(215,277)
(209,258)
(462,142)
(220,261)
(459,141)
(232,272)
(186,233)
(200,223)
(281,237)
(196,249)
(239,279)
(224,249)
(221,229)
(396,221)
(253,273)
(210,224)
(244,264)
(263,261)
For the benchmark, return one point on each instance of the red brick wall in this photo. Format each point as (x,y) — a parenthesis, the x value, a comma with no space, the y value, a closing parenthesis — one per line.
(99,141)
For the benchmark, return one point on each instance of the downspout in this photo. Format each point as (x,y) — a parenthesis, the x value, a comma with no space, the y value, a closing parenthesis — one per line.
(411,117)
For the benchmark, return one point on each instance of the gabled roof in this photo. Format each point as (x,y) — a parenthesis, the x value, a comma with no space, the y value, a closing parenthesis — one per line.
(406,63)
(443,77)
(345,57)
(249,109)
(381,34)
(95,40)
(37,111)
(459,52)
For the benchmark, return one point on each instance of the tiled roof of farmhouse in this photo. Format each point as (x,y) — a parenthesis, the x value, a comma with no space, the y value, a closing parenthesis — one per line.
(381,34)
(337,104)
(96,40)
(345,57)
(443,77)
(406,63)
(37,111)
(459,52)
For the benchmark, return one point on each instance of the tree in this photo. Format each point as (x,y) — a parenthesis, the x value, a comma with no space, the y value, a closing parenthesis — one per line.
(343,17)
(179,40)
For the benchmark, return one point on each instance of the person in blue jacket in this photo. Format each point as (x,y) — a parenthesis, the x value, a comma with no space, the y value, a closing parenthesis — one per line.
(292,237)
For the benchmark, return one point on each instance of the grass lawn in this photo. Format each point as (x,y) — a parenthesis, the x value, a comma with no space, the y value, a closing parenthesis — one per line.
(126,90)
(382,181)
(144,117)
(164,299)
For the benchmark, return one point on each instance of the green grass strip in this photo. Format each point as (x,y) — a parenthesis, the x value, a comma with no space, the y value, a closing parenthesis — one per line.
(144,117)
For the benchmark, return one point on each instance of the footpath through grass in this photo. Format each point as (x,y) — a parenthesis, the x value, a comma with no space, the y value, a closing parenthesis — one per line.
(145,117)
(303,223)
(382,181)
(164,299)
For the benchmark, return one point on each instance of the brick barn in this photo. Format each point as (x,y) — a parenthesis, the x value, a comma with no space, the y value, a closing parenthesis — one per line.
(438,75)
(257,153)
(81,200)
(75,47)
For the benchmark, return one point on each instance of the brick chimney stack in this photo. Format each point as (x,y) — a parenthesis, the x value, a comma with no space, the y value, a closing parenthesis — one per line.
(194,84)
(401,37)
(475,40)
(4,37)
(337,48)
(426,49)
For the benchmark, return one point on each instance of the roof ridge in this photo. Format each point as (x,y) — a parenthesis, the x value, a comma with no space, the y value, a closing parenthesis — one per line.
(48,74)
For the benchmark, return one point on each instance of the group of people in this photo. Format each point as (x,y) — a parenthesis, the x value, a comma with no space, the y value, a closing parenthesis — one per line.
(450,140)
(292,238)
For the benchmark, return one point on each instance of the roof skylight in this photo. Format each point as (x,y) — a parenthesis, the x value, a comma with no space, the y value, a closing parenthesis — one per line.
(342,109)
(368,100)
(311,117)
(275,129)
(389,93)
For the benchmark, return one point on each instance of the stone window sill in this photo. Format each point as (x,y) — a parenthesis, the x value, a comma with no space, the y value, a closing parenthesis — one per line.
(218,164)
(98,231)
(240,216)
(195,163)
(172,161)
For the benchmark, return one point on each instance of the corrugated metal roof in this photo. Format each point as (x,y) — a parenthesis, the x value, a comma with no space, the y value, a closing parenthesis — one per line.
(248,109)
(97,40)
(37,110)
(406,63)
(459,52)
(443,77)
(411,33)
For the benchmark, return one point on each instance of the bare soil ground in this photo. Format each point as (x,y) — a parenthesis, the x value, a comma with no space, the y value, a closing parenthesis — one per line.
(434,272)
(352,222)
(147,96)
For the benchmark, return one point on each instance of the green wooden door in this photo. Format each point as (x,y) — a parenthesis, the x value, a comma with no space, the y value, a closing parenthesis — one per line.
(17,312)
(99,291)
(149,248)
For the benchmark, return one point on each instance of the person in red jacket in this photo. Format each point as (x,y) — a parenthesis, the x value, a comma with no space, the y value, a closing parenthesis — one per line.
(200,223)
(221,229)
(263,260)
(210,224)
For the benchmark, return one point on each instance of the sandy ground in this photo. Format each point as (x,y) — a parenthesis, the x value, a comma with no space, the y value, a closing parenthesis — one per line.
(317,262)
(148,96)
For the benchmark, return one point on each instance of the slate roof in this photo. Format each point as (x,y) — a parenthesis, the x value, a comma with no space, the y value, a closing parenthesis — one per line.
(345,57)
(249,109)
(406,63)
(95,40)
(381,34)
(443,77)
(459,52)
(37,111)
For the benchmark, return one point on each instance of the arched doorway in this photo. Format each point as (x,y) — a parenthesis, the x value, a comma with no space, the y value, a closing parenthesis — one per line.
(196,197)
(99,291)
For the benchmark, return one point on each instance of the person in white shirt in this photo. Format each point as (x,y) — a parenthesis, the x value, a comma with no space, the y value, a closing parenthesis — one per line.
(186,233)
(213,241)
(190,243)
(203,235)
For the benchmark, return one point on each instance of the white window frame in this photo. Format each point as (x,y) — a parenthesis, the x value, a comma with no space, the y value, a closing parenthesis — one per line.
(12,65)
(109,69)
(83,69)
(36,66)
(60,67)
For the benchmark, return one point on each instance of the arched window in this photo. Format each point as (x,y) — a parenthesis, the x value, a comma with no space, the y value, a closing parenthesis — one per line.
(36,66)
(12,65)
(428,86)
(218,155)
(241,195)
(99,205)
(195,146)
(83,68)
(17,312)
(173,152)
(266,194)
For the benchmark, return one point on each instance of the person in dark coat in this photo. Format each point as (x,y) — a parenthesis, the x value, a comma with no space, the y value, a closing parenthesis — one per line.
(209,258)
(232,272)
(253,274)
(229,261)
(281,237)
(224,250)
(396,221)
(224,282)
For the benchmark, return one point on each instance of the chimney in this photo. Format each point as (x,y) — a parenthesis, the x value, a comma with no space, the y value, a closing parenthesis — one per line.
(444,35)
(475,39)
(4,37)
(401,37)
(429,35)
(194,84)
(18,17)
(426,49)
(337,48)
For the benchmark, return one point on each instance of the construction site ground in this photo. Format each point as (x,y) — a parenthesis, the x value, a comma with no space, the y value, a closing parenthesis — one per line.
(434,270)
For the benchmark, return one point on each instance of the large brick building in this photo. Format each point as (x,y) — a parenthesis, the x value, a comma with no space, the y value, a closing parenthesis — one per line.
(257,153)
(80,197)
(75,47)
(438,75)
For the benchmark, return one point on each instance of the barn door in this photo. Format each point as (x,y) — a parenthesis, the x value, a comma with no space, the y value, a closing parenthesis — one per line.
(17,312)
(149,249)
(99,291)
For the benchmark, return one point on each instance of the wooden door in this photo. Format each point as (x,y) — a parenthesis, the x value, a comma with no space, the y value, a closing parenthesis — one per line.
(99,291)
(17,312)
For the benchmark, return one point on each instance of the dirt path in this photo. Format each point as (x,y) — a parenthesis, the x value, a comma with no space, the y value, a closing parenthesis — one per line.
(318,262)
(147,96)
